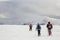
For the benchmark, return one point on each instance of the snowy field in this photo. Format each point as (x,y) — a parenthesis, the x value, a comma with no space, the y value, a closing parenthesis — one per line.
(21,32)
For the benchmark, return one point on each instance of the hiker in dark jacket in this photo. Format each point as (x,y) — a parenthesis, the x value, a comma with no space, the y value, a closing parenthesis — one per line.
(49,26)
(30,27)
(38,29)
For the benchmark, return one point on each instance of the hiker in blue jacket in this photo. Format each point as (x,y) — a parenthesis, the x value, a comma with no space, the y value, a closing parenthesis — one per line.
(38,29)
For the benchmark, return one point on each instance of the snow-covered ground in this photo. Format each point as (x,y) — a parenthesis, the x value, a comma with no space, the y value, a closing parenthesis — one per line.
(21,32)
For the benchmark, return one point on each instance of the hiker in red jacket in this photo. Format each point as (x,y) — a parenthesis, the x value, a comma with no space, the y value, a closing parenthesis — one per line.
(49,26)
(30,27)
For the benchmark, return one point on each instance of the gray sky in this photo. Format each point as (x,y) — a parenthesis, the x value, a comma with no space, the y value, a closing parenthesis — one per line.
(40,7)
(4,0)
(26,10)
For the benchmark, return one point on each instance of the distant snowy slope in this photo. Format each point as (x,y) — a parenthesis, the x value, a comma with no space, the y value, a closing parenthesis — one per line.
(30,19)
(53,20)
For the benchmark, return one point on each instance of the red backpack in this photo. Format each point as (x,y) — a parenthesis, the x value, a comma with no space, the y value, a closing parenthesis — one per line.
(49,25)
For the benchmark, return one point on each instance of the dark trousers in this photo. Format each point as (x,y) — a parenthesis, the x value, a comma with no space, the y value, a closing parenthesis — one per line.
(49,31)
(30,29)
(38,32)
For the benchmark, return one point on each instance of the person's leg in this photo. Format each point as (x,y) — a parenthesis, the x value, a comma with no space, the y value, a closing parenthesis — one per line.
(49,32)
(38,32)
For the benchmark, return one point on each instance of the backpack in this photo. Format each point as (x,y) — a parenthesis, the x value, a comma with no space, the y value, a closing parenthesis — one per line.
(49,25)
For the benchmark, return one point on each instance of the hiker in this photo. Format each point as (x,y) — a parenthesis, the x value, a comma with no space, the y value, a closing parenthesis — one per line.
(30,27)
(49,27)
(38,29)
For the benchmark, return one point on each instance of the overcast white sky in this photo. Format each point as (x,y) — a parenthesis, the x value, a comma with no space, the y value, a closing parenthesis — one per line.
(4,0)
(46,7)
(39,7)
(29,9)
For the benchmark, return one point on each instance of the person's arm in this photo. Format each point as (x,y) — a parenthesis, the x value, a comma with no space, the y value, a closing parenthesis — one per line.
(51,26)
(47,26)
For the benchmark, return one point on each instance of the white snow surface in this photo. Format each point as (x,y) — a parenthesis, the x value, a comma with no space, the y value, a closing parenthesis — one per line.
(21,32)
